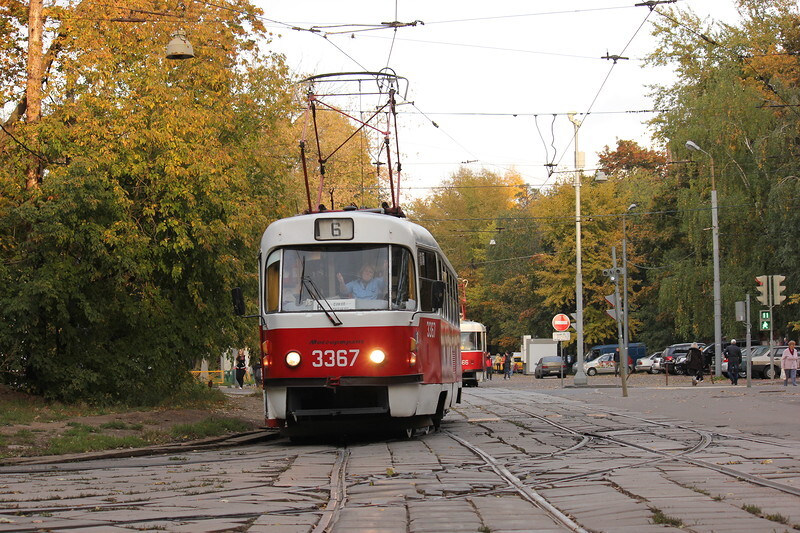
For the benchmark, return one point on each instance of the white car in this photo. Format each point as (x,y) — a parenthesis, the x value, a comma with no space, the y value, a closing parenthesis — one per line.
(603,365)
(645,364)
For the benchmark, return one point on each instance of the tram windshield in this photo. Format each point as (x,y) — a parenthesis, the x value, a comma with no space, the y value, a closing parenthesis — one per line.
(341,277)
(471,340)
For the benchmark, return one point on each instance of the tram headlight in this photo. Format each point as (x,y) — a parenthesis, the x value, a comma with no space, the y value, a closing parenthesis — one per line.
(412,359)
(293,359)
(377,356)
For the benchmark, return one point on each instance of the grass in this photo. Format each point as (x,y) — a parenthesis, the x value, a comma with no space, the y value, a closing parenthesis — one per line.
(18,409)
(756,510)
(210,427)
(660,518)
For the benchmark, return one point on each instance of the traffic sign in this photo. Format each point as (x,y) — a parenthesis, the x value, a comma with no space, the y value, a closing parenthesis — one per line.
(561,335)
(561,322)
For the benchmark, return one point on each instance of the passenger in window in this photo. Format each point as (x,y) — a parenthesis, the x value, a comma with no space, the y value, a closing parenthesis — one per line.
(367,286)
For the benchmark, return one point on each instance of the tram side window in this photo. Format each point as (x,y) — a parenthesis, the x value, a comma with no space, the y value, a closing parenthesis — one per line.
(450,310)
(428,273)
(272,284)
(404,287)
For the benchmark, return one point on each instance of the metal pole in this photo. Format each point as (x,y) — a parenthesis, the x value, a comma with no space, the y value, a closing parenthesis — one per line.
(770,288)
(715,240)
(625,325)
(623,352)
(748,341)
(580,374)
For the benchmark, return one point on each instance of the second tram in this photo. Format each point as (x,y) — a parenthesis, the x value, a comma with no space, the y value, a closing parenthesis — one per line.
(473,353)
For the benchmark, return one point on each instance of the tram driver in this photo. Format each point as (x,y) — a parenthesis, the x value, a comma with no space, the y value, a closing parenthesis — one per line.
(367,286)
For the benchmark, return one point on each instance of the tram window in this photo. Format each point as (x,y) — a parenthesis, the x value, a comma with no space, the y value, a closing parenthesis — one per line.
(404,287)
(428,274)
(469,340)
(338,276)
(273,278)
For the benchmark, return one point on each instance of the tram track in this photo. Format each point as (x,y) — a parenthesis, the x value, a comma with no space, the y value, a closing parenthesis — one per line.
(519,487)
(705,441)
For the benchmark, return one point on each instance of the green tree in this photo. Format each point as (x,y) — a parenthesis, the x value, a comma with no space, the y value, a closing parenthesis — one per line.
(734,97)
(158,179)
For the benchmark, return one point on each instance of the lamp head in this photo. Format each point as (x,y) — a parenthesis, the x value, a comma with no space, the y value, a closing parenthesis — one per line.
(691,145)
(179,47)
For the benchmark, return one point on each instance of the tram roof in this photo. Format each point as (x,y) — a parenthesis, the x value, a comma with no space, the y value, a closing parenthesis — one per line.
(369,227)
(470,325)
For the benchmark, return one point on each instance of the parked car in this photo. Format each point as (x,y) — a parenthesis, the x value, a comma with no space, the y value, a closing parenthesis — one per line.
(602,365)
(760,361)
(549,366)
(645,364)
(675,356)
(519,367)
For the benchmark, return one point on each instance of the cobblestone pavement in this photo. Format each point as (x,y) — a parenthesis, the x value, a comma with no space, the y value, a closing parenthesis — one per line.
(511,458)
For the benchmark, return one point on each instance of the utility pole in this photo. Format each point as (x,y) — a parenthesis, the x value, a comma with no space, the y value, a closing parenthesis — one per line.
(580,374)
(33,89)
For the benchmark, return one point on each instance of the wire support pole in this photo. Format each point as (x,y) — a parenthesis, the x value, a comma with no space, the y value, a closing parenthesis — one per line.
(389,165)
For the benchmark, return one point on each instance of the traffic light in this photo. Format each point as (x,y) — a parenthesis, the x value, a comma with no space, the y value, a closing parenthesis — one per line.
(762,283)
(777,289)
(765,320)
(613,273)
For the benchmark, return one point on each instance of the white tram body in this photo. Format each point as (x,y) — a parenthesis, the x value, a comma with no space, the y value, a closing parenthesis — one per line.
(339,343)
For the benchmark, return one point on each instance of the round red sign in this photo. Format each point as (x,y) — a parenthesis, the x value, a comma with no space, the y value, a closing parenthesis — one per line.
(561,322)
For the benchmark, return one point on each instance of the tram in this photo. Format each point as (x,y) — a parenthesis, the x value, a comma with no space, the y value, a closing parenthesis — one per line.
(359,323)
(473,353)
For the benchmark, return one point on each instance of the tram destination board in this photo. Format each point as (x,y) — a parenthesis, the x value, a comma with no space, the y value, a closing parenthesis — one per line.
(333,229)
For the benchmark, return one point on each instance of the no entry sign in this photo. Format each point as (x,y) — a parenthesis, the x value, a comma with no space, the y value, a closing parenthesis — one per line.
(561,322)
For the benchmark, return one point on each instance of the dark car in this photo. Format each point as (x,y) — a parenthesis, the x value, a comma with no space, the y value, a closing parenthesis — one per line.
(549,366)
(674,356)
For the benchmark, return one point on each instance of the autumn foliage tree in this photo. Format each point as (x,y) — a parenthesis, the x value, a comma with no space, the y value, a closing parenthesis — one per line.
(157,178)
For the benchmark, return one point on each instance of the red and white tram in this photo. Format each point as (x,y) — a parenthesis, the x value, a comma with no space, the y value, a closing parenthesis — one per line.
(359,322)
(473,352)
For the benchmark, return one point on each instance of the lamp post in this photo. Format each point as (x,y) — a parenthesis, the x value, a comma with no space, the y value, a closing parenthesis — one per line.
(715,240)
(626,332)
(580,373)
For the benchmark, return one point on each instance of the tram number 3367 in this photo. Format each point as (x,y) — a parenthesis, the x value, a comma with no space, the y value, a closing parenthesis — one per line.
(332,358)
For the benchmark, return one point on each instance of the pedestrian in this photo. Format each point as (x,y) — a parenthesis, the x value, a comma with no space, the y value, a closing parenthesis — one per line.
(498,363)
(616,362)
(694,364)
(734,355)
(257,371)
(240,369)
(789,362)
(488,367)
(507,365)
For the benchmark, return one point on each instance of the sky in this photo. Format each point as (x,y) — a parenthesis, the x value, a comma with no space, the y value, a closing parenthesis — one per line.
(498,78)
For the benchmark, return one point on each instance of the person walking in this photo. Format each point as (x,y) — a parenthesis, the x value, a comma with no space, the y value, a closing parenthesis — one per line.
(488,365)
(789,364)
(616,362)
(694,364)
(734,354)
(507,365)
(240,369)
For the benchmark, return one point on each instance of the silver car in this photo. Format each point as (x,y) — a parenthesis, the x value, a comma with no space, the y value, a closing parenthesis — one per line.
(647,364)
(760,361)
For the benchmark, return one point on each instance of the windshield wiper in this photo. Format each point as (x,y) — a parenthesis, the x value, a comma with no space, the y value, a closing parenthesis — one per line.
(315,293)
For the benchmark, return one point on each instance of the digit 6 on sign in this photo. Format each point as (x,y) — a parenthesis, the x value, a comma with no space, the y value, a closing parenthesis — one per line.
(431,329)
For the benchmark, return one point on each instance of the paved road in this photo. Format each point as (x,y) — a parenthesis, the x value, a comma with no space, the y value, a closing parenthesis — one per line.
(515,456)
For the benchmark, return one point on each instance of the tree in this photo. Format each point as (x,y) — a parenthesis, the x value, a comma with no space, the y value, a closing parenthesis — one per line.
(158,179)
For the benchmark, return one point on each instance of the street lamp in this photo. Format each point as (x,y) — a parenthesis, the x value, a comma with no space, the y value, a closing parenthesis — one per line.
(179,47)
(580,373)
(715,239)
(626,332)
